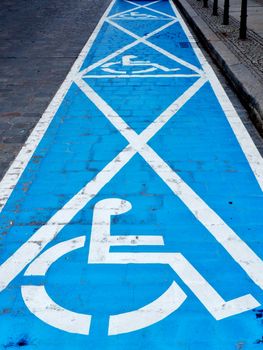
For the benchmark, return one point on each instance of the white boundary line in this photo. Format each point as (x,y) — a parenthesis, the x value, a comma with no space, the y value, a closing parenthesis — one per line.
(244,139)
(18,166)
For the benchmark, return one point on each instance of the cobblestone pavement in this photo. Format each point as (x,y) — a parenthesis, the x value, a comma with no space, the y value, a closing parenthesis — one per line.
(249,52)
(39,42)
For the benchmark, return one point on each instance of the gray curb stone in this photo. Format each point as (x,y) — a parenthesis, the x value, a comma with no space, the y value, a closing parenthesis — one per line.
(246,85)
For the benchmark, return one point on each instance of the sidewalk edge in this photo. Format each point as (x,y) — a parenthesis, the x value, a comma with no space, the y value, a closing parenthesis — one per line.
(248,88)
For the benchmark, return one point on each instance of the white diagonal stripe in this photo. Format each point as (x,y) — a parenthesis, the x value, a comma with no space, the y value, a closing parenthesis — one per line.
(159,12)
(147,6)
(45,234)
(18,166)
(254,158)
(233,244)
(155,47)
(123,49)
(134,8)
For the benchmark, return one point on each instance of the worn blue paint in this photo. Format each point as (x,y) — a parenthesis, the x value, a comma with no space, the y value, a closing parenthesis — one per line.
(200,145)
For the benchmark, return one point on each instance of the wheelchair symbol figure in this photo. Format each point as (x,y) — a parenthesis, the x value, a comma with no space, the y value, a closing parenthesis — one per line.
(136,15)
(42,306)
(129,63)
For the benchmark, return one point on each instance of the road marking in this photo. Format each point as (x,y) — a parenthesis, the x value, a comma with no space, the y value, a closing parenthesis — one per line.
(32,247)
(137,6)
(42,306)
(18,166)
(116,76)
(144,66)
(154,312)
(136,42)
(250,150)
(100,253)
(237,248)
(141,16)
(36,297)
(146,42)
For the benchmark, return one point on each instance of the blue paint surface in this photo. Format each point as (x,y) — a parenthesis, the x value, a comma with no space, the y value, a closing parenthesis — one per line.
(198,143)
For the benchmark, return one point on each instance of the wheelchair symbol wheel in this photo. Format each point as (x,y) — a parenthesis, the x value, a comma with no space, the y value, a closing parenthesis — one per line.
(42,306)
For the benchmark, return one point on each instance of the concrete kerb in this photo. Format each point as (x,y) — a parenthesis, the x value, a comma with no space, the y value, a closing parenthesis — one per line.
(246,85)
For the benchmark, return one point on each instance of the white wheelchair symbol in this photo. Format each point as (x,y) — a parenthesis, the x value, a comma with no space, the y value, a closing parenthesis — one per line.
(128,61)
(136,15)
(42,306)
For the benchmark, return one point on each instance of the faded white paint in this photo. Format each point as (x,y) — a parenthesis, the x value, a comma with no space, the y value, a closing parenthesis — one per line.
(31,248)
(42,306)
(220,230)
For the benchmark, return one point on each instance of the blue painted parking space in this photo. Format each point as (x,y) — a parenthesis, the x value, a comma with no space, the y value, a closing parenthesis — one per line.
(131,219)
